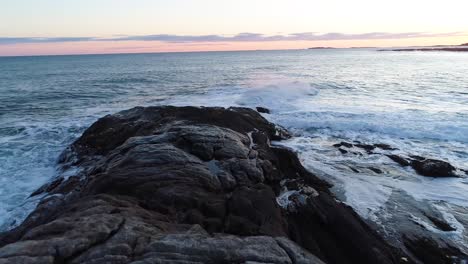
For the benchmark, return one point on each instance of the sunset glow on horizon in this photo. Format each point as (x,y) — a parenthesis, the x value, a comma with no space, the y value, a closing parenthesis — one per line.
(53,27)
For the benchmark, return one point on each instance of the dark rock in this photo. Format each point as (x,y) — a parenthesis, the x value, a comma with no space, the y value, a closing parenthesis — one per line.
(429,251)
(398,159)
(263,110)
(187,184)
(410,221)
(253,211)
(344,144)
(440,224)
(47,188)
(288,163)
(113,130)
(384,146)
(329,226)
(343,151)
(366,147)
(433,168)
(426,167)
(379,171)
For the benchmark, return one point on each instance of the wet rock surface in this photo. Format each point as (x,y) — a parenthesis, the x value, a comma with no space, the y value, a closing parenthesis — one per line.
(400,160)
(423,166)
(195,185)
(421,228)
(409,223)
(433,168)
(263,110)
(430,251)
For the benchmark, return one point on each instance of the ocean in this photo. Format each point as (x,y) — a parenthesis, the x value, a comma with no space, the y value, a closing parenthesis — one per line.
(416,102)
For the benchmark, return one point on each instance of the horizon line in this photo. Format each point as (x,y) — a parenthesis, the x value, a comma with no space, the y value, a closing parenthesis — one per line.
(213,51)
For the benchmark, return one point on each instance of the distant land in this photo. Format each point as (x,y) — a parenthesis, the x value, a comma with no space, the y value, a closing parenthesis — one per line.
(459,48)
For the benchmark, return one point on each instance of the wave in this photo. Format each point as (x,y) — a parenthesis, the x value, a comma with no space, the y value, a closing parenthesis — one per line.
(400,125)
(305,107)
(279,97)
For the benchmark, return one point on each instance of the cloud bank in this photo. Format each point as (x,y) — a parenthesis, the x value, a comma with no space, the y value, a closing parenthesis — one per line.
(242,37)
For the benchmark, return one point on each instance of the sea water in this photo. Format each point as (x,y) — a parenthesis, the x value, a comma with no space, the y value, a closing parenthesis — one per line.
(416,102)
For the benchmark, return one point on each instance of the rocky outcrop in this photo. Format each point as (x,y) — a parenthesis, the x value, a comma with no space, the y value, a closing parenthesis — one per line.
(263,110)
(367,147)
(433,168)
(400,160)
(190,185)
(426,167)
(431,252)
(423,166)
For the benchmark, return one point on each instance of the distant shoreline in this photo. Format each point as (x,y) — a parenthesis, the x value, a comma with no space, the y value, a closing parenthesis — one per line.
(431,49)
(460,48)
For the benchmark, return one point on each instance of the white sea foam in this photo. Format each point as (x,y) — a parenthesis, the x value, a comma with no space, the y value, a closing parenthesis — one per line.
(25,166)
(28,159)
(279,97)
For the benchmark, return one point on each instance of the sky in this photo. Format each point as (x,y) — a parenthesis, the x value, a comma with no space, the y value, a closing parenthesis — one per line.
(32,27)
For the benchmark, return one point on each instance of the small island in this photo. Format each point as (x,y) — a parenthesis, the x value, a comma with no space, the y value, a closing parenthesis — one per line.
(459,48)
